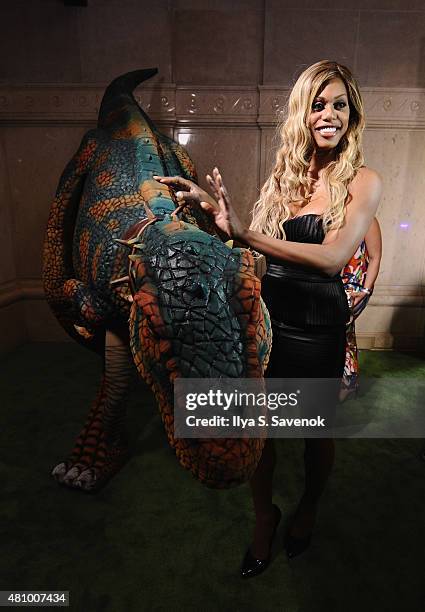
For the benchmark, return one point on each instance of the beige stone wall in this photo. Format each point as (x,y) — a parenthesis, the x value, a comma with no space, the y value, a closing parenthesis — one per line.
(225,68)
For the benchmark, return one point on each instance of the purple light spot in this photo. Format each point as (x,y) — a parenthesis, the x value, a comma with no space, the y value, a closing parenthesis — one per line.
(404,225)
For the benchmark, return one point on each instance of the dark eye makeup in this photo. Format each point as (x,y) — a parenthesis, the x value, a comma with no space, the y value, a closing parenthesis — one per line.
(319,106)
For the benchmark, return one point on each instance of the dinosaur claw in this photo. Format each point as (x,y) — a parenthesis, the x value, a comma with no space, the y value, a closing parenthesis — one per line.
(59,471)
(149,211)
(86,480)
(177,211)
(126,243)
(84,332)
(71,475)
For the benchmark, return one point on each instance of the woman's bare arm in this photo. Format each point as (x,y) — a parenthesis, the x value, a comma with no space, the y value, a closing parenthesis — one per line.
(339,245)
(329,257)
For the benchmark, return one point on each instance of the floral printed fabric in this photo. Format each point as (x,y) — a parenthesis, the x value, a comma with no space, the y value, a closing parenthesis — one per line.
(354,276)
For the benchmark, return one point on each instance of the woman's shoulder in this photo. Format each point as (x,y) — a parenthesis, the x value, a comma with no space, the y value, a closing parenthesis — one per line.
(366,177)
(366,187)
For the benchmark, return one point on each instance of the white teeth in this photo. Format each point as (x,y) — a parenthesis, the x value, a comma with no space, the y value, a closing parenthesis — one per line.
(327,129)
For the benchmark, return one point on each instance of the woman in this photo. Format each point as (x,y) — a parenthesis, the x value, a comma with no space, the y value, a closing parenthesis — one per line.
(359,277)
(313,211)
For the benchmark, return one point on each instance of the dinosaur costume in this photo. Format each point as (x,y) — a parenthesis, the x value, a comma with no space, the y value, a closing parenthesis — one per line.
(140,280)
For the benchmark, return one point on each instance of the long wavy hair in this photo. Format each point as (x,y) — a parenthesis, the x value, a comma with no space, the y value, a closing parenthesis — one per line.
(289,180)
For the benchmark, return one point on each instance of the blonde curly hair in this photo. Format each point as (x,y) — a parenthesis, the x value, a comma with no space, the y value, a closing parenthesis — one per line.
(289,178)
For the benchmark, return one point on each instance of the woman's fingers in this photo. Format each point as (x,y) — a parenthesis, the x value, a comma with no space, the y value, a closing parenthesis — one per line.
(186,196)
(225,195)
(219,183)
(224,190)
(358,298)
(220,192)
(213,186)
(209,208)
(216,184)
(218,178)
(183,195)
(176,181)
(167,179)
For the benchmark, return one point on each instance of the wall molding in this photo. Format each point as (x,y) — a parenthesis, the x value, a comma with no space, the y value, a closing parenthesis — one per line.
(16,290)
(187,106)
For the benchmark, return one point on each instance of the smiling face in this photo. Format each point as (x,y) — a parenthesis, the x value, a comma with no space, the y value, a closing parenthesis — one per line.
(329,116)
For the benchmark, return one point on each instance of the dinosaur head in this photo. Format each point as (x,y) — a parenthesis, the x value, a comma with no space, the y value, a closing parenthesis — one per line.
(197,313)
(195,295)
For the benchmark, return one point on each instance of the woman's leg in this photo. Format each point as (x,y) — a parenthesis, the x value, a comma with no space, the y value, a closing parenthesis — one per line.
(261,488)
(349,382)
(319,456)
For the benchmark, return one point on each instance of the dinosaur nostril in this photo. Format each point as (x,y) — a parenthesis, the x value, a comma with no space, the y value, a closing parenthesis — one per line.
(197,291)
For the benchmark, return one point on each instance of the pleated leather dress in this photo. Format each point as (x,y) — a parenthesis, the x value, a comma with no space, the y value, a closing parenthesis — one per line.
(308,310)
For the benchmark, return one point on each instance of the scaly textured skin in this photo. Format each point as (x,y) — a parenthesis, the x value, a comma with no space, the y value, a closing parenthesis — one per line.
(195,304)
(197,313)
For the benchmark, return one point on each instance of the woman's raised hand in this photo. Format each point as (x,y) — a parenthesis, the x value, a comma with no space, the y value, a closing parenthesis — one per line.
(220,207)
(225,216)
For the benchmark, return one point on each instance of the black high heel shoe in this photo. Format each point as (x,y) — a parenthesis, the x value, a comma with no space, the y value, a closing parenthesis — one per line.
(250,565)
(295,546)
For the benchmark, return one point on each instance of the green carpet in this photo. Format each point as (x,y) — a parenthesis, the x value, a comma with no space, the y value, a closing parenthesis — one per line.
(155,539)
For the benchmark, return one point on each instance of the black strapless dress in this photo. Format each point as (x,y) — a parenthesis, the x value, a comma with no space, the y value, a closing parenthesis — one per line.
(308,311)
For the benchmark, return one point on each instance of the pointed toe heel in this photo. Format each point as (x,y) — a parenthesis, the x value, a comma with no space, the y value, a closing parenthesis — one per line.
(296,546)
(250,565)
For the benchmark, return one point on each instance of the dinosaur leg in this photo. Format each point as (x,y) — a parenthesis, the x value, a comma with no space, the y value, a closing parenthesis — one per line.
(100,449)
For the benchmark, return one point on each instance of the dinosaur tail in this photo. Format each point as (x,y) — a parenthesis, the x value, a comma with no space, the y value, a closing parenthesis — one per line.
(118,103)
(123,118)
(121,114)
(57,256)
